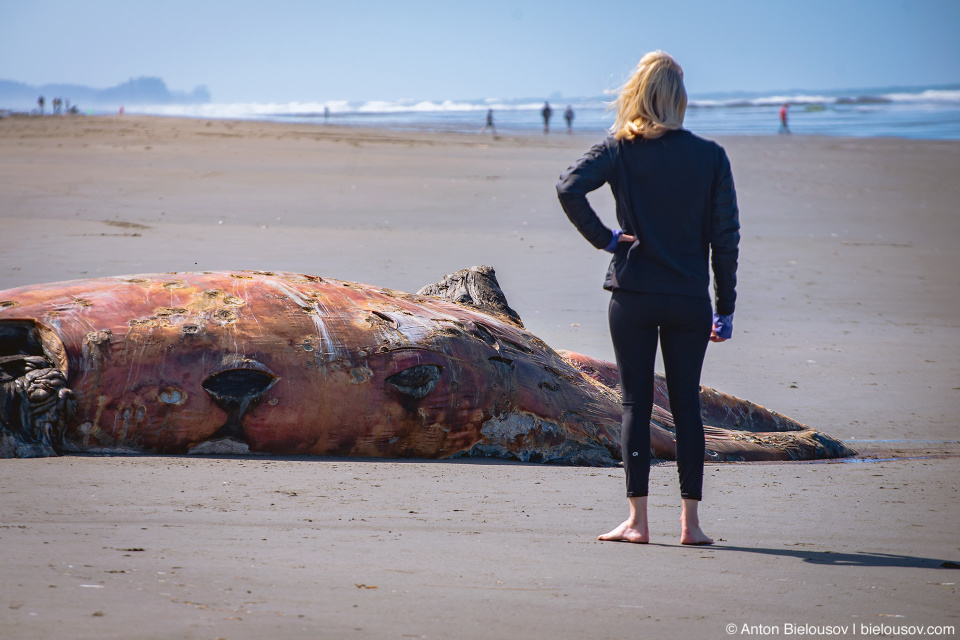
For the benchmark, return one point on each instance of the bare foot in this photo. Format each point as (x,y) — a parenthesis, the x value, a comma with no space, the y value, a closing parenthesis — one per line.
(627,532)
(690,531)
(693,534)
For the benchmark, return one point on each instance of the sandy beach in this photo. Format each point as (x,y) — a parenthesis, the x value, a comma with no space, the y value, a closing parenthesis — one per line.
(847,320)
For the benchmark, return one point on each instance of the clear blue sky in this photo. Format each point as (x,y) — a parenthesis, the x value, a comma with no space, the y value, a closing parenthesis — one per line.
(288,50)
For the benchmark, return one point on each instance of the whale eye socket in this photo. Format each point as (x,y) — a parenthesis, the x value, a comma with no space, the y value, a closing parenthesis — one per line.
(237,384)
(416,381)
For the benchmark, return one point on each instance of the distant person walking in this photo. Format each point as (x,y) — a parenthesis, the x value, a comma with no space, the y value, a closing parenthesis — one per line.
(489,124)
(568,116)
(546,112)
(40,104)
(784,129)
(326,113)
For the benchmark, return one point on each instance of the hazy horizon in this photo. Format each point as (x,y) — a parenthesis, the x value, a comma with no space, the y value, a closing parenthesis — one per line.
(732,94)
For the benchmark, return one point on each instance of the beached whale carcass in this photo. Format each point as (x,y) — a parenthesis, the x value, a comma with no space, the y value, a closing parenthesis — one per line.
(284,363)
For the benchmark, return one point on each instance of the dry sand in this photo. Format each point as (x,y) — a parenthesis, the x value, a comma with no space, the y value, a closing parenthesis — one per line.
(847,320)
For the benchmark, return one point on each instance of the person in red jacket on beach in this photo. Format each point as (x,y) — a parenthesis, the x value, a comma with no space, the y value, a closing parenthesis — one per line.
(677,209)
(784,129)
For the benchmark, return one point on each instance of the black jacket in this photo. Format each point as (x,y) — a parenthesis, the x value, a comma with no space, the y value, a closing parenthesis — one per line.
(675,194)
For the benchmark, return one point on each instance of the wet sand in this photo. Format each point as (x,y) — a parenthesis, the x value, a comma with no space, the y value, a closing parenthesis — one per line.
(847,321)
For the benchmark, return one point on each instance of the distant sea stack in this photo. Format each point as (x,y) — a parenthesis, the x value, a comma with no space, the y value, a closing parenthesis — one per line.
(135,91)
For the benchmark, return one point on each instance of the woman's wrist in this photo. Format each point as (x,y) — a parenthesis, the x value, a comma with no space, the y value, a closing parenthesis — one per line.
(612,245)
(723,325)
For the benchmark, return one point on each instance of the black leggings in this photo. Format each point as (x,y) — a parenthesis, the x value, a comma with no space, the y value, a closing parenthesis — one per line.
(683,324)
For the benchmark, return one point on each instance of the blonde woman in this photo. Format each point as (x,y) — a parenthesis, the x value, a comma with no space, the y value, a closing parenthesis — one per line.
(677,210)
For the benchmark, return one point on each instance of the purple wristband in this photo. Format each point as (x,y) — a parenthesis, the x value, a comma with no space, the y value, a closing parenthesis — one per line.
(723,325)
(612,246)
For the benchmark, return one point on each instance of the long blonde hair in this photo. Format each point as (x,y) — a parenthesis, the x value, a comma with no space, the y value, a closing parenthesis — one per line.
(653,101)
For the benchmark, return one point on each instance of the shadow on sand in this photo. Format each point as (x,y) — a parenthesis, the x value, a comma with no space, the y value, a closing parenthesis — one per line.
(856,559)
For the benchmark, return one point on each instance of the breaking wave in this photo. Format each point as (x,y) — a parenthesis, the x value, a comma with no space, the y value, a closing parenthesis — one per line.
(924,112)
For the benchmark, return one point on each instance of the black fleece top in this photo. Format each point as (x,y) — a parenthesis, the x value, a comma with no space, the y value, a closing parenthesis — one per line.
(675,194)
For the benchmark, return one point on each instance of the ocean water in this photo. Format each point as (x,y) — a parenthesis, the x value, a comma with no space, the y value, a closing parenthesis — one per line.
(919,112)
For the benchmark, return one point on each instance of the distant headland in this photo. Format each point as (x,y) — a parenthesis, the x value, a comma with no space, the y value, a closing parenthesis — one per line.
(135,91)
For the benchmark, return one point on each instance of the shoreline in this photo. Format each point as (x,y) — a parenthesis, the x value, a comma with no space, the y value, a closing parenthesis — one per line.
(533,130)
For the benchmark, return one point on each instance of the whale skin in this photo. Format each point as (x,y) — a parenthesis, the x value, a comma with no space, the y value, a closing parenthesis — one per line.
(260,362)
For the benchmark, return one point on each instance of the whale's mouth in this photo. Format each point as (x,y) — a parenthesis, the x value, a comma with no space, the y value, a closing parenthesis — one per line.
(35,402)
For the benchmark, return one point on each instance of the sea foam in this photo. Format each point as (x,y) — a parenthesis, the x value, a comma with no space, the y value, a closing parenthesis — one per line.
(925,112)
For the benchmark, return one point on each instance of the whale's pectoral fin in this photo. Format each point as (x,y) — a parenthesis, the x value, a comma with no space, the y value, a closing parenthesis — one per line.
(35,403)
(475,287)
